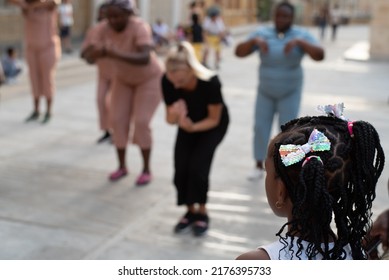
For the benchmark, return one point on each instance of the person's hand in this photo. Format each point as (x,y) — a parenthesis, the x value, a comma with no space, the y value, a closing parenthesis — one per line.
(92,53)
(186,124)
(178,110)
(262,45)
(87,54)
(290,45)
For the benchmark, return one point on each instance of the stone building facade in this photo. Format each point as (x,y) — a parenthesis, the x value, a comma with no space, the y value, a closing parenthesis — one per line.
(173,12)
(11,22)
(235,12)
(379,31)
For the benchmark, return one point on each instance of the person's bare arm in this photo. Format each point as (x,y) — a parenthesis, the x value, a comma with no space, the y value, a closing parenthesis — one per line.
(316,52)
(246,48)
(141,57)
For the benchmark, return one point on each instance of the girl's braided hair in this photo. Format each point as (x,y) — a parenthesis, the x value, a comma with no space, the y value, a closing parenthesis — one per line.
(341,186)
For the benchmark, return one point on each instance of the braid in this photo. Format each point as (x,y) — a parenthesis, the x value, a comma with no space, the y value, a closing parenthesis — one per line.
(341,186)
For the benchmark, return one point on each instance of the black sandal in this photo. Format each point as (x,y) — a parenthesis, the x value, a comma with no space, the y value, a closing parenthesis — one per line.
(201,225)
(185,222)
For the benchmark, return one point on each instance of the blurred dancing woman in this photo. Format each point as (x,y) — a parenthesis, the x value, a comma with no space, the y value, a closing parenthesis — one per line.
(281,48)
(104,80)
(126,40)
(194,103)
(43,49)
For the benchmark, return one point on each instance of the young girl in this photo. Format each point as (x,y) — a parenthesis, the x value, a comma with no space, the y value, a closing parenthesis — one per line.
(321,175)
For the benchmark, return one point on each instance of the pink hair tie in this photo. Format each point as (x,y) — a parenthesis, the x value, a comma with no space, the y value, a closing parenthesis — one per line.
(309,158)
(350,128)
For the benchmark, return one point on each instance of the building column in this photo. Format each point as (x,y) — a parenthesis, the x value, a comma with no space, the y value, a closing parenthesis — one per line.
(379,30)
(176,13)
(144,8)
(95,5)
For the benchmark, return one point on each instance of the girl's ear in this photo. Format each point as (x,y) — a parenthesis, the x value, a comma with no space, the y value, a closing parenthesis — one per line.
(284,201)
(282,191)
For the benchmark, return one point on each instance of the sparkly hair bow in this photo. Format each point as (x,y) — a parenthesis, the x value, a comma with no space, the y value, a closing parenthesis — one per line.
(291,154)
(335,110)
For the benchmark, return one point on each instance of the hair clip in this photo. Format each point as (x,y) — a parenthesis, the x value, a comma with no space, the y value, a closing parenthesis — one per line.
(350,128)
(291,154)
(335,110)
(311,157)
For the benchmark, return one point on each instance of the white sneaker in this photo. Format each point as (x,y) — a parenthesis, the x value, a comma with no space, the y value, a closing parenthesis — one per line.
(256,174)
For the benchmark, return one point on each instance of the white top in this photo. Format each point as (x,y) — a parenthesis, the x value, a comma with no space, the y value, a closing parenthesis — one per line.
(214,27)
(66,14)
(336,16)
(161,29)
(276,252)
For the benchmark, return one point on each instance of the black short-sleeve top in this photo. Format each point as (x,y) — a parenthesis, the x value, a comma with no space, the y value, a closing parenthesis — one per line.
(197,101)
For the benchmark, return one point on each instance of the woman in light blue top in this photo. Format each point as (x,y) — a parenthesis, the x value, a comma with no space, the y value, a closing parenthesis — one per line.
(281,48)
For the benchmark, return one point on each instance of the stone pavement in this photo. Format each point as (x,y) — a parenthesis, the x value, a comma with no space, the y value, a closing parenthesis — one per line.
(56,201)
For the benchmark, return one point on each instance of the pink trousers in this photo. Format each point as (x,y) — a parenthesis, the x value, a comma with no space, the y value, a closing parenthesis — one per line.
(41,67)
(134,105)
(103,101)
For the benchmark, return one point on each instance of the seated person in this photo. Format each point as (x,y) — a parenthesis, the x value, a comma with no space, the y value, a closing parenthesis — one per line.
(10,65)
(160,33)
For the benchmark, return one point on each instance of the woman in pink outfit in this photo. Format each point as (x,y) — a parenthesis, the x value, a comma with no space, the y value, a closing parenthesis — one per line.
(126,41)
(43,49)
(104,80)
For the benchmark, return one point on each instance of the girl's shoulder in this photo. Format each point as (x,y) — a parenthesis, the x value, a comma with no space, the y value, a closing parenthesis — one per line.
(264,30)
(258,254)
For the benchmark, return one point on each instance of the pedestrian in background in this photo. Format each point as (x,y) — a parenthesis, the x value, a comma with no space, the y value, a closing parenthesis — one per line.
(214,30)
(196,37)
(281,48)
(323,20)
(335,19)
(66,22)
(321,177)
(194,103)
(104,76)
(126,40)
(43,50)
(11,65)
(161,35)
(197,8)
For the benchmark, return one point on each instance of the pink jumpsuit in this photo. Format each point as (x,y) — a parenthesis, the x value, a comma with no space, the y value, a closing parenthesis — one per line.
(43,49)
(136,89)
(104,82)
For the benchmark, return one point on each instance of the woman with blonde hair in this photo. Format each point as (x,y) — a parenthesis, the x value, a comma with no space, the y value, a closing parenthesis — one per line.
(194,102)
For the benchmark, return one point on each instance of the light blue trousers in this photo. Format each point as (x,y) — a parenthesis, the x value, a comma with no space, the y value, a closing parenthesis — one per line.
(266,108)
